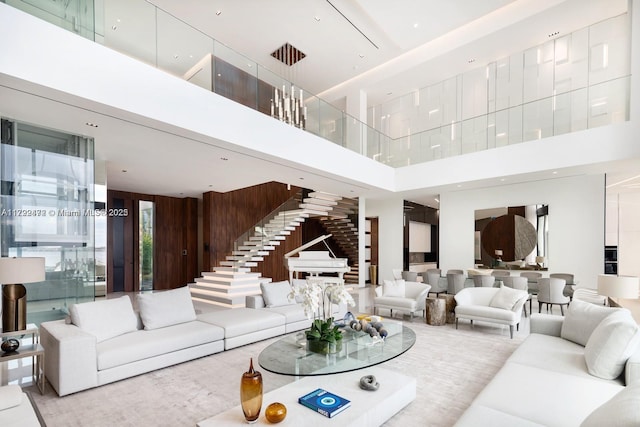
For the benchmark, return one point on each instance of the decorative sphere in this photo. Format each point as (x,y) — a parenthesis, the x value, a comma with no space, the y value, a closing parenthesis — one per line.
(383,332)
(376,325)
(358,326)
(354,324)
(275,412)
(364,324)
(10,345)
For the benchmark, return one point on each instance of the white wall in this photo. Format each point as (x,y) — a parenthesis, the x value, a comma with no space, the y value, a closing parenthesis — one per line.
(576,222)
(390,233)
(629,237)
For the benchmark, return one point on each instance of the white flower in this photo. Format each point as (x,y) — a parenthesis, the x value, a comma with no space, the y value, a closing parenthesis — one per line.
(319,294)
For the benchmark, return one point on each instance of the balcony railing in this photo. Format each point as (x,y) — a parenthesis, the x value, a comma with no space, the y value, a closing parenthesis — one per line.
(216,67)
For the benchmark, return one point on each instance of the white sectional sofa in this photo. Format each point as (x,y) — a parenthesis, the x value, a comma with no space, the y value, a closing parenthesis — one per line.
(567,373)
(17,408)
(106,341)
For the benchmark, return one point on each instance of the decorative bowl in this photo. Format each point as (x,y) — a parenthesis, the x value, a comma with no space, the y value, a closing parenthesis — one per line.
(10,345)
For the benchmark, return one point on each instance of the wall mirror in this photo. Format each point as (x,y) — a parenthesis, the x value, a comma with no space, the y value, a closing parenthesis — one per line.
(514,237)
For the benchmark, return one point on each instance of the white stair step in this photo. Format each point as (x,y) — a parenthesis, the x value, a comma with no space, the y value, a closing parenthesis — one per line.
(319,201)
(325,196)
(238,264)
(243,258)
(228,270)
(321,208)
(231,274)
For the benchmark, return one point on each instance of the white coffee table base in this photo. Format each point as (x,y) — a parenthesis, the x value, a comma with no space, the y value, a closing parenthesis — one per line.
(368,408)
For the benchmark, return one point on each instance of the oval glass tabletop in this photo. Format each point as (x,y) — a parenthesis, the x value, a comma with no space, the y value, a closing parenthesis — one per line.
(290,356)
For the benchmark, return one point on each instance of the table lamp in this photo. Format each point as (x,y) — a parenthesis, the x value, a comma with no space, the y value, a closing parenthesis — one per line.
(498,253)
(13,273)
(540,261)
(626,287)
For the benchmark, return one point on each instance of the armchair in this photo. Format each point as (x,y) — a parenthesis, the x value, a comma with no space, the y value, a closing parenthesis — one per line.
(484,281)
(569,283)
(455,282)
(402,296)
(436,281)
(550,292)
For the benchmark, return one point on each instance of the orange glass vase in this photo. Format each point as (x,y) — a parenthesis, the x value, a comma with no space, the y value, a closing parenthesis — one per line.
(251,394)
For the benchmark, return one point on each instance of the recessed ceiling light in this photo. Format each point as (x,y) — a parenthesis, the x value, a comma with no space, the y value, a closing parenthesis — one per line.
(210,185)
(219,75)
(437,200)
(502,179)
(416,25)
(317,18)
(224,158)
(249,65)
(93,125)
(361,55)
(218,12)
(471,60)
(555,172)
(555,33)
(114,27)
(302,179)
(459,185)
(175,56)
(124,171)
(389,93)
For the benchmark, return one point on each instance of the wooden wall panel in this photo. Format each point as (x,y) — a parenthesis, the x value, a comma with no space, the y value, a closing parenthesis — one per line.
(226,216)
(175,229)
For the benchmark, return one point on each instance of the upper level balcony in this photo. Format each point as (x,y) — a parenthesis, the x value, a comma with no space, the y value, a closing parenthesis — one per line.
(575,82)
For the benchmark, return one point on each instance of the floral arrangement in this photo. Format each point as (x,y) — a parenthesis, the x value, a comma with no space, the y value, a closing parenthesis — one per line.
(318,296)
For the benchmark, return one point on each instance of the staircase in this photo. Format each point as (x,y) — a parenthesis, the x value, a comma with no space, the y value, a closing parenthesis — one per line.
(229,284)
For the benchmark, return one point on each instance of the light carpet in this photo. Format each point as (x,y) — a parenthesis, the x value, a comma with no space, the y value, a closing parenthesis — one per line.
(451,367)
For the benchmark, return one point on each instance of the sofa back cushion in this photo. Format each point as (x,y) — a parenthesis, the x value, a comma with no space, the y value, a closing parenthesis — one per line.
(611,344)
(276,294)
(105,319)
(393,288)
(507,298)
(623,409)
(166,308)
(581,320)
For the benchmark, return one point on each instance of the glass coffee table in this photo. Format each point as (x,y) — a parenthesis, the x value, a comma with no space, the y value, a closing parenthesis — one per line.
(289,355)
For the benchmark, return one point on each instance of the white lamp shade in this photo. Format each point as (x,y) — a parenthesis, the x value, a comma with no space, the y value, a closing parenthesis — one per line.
(498,252)
(618,286)
(21,270)
(540,259)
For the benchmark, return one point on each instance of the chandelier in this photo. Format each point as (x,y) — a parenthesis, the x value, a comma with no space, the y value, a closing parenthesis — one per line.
(287,108)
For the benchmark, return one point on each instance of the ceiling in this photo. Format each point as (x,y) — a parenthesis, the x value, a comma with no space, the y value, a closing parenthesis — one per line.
(383,48)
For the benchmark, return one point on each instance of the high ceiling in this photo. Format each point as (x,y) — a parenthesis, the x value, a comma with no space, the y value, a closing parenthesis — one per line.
(382,48)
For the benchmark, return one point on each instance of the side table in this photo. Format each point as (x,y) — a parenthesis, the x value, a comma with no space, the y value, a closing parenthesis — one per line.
(451,307)
(33,350)
(436,314)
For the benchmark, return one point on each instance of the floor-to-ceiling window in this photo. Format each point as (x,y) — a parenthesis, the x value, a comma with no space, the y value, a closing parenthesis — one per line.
(47,210)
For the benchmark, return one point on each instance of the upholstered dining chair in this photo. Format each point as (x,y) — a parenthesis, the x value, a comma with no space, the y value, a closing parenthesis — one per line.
(550,293)
(483,281)
(433,276)
(532,278)
(521,283)
(455,282)
(501,273)
(569,282)
(455,271)
(410,276)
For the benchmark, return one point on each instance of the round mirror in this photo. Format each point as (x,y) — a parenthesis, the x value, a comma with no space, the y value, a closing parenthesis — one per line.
(512,234)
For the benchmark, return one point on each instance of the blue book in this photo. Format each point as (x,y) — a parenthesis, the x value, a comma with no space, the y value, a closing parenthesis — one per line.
(325,403)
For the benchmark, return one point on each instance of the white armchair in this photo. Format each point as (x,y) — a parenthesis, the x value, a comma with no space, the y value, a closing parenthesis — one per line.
(550,292)
(401,296)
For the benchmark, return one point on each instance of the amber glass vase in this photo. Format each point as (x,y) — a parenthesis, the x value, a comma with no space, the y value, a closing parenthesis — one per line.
(251,394)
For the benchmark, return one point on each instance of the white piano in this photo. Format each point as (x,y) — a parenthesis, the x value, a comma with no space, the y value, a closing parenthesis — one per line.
(315,262)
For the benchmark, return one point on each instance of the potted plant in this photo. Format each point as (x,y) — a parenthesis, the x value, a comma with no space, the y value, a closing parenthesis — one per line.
(318,295)
(324,337)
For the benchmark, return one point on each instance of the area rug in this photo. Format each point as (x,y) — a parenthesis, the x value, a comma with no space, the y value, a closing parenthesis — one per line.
(451,367)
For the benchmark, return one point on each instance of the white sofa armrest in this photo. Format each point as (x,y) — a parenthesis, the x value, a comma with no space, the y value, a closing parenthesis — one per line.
(71,361)
(254,301)
(546,324)
(632,369)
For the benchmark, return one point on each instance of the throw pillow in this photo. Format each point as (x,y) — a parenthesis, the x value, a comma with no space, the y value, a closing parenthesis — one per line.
(506,298)
(276,294)
(105,319)
(393,288)
(581,319)
(166,308)
(612,342)
(622,410)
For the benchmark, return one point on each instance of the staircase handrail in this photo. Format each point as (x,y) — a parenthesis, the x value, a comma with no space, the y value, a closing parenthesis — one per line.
(258,228)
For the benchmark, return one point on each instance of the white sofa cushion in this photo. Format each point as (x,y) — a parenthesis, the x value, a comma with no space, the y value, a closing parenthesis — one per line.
(506,298)
(581,319)
(276,294)
(105,319)
(393,288)
(622,410)
(242,321)
(166,308)
(10,396)
(143,345)
(611,344)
